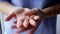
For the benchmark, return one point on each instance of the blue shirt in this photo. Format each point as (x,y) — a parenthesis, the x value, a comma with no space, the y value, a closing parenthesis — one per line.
(47,26)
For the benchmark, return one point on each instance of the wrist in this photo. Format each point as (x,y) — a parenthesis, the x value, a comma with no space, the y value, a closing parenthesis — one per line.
(41,13)
(15,9)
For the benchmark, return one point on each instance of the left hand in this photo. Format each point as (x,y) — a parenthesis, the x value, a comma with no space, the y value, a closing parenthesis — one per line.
(31,21)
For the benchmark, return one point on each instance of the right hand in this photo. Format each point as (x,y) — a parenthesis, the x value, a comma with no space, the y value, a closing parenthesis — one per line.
(16,14)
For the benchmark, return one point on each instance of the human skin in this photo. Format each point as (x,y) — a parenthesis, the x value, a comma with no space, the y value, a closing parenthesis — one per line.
(16,12)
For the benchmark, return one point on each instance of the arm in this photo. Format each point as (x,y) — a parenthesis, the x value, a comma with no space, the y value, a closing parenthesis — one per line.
(6,7)
(51,11)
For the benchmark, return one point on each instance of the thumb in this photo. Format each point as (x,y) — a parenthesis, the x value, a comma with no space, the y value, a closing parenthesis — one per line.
(13,14)
(32,30)
(10,16)
(34,11)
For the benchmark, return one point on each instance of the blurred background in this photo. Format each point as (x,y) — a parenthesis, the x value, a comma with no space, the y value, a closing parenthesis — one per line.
(0,28)
(58,25)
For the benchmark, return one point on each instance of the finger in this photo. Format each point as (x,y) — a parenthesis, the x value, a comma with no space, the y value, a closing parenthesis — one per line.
(32,30)
(27,11)
(18,31)
(26,22)
(13,14)
(35,11)
(13,27)
(22,30)
(32,12)
(20,20)
(32,22)
(35,17)
(10,16)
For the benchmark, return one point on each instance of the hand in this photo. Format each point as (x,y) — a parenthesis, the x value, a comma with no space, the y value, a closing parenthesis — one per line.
(29,16)
(35,19)
(29,21)
(17,14)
